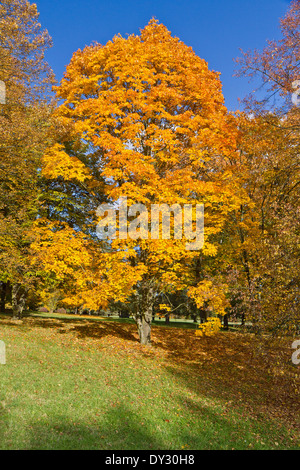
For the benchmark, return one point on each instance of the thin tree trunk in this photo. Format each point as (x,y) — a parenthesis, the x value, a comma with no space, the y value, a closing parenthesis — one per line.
(3,290)
(203,315)
(225,322)
(18,300)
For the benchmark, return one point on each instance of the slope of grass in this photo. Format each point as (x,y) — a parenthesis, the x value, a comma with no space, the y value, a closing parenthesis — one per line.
(74,383)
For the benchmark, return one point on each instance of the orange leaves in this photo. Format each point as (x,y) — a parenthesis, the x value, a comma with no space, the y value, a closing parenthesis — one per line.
(153,115)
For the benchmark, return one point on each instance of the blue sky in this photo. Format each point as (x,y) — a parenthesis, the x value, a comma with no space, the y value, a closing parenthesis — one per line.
(215,29)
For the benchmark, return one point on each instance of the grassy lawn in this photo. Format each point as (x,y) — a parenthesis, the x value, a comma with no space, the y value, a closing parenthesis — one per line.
(87,383)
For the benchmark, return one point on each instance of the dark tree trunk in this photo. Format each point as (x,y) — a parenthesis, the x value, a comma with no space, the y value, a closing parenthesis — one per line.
(3,290)
(18,300)
(225,321)
(203,315)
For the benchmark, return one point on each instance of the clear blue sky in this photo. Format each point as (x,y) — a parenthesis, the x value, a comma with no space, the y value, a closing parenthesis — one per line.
(215,29)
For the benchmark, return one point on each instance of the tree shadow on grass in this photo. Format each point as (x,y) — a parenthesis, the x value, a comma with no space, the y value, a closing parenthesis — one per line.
(82,328)
(99,330)
(121,429)
(28,322)
(117,429)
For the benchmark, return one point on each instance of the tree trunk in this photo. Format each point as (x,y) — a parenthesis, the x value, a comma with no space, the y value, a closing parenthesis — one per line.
(225,322)
(3,289)
(18,300)
(143,317)
(144,328)
(203,315)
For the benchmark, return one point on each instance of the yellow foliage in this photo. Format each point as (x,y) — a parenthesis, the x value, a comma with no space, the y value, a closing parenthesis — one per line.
(212,294)
(80,269)
(165,307)
(209,328)
(58,163)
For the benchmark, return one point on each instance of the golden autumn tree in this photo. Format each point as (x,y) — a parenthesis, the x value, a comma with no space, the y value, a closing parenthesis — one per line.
(262,236)
(269,226)
(153,117)
(24,114)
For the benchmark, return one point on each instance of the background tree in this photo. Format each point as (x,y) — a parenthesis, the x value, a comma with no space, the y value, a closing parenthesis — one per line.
(263,235)
(24,133)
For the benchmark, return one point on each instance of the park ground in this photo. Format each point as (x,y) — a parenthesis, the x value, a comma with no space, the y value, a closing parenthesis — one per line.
(87,383)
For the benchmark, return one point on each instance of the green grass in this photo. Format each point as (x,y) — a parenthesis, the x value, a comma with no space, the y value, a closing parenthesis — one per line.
(88,384)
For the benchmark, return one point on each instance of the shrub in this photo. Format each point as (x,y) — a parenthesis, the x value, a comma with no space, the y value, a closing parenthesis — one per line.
(43,310)
(61,310)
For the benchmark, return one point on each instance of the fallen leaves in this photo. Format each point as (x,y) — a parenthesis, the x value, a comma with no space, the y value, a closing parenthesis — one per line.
(238,370)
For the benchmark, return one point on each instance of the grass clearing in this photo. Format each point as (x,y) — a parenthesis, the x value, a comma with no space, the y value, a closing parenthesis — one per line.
(87,383)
